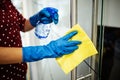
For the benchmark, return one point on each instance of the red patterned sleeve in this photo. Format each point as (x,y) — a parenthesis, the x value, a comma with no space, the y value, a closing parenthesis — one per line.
(20,19)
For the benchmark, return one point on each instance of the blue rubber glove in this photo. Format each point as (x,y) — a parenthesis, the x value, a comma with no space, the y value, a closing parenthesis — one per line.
(46,15)
(54,49)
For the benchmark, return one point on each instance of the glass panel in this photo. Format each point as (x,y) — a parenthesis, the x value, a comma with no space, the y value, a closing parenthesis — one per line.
(110,65)
(84,18)
(48,69)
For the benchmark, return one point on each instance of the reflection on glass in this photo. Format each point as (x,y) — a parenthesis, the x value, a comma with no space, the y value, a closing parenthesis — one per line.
(111,35)
(110,17)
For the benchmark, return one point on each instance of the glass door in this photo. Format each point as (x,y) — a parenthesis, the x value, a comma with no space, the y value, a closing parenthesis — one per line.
(87,17)
(48,69)
(108,38)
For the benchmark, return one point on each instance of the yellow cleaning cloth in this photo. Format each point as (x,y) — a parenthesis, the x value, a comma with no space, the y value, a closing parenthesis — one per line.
(85,50)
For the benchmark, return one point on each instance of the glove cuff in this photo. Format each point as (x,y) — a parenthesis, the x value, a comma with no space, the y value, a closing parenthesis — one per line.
(33,20)
(35,53)
(29,54)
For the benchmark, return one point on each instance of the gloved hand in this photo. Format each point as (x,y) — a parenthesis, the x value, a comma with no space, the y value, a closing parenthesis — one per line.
(54,49)
(45,16)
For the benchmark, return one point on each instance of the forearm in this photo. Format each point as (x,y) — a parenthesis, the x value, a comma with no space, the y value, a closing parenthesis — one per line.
(28,26)
(9,55)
